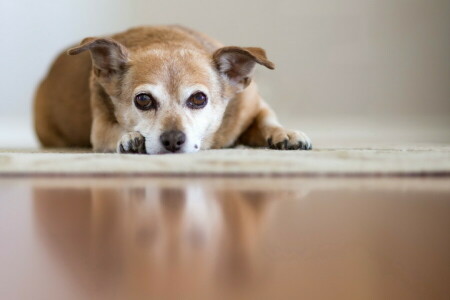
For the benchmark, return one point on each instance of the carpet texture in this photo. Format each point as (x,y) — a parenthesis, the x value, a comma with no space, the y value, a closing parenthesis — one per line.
(429,160)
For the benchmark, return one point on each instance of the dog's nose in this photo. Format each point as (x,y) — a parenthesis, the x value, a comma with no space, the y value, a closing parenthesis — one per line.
(173,140)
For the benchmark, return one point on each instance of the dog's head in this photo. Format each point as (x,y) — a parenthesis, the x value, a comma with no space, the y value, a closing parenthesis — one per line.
(174,96)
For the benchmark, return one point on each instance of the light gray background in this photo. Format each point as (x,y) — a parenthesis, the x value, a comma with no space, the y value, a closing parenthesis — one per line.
(349,67)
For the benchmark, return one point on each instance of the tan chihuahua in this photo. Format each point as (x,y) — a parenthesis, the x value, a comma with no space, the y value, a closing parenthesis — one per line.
(158,90)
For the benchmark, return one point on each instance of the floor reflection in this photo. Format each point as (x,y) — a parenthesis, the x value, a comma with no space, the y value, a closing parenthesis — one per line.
(150,240)
(224,238)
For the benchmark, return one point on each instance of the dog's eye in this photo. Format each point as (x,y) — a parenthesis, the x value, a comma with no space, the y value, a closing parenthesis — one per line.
(197,100)
(144,102)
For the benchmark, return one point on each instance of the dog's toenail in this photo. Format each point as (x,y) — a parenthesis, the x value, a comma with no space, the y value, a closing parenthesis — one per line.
(280,145)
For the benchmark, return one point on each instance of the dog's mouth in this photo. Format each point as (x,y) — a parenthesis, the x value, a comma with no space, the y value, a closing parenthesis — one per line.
(163,151)
(169,152)
(180,151)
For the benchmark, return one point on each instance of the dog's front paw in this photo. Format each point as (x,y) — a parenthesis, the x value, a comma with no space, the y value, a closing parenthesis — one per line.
(132,142)
(283,139)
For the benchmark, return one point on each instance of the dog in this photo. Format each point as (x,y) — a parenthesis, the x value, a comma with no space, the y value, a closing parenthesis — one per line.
(156,90)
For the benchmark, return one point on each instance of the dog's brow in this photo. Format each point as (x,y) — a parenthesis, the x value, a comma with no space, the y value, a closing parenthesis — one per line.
(160,52)
(157,51)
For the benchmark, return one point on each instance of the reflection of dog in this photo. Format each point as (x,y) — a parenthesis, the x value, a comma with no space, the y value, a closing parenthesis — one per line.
(155,240)
(158,90)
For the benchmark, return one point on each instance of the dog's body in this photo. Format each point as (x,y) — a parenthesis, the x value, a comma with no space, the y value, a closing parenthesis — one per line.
(157,90)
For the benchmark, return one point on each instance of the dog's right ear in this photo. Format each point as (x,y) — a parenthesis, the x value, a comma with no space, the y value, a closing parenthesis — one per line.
(237,63)
(108,56)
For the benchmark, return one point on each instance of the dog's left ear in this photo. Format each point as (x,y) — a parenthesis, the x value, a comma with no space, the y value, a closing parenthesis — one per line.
(237,63)
(108,56)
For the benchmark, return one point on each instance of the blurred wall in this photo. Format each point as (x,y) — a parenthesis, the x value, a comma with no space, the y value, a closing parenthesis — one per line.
(341,58)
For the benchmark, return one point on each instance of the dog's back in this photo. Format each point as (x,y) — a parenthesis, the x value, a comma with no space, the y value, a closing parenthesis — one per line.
(62,113)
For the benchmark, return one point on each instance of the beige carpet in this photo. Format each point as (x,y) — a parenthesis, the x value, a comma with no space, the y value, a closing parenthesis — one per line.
(413,160)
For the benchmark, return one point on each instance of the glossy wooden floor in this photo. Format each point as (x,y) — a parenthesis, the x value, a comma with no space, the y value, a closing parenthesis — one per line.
(225,238)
